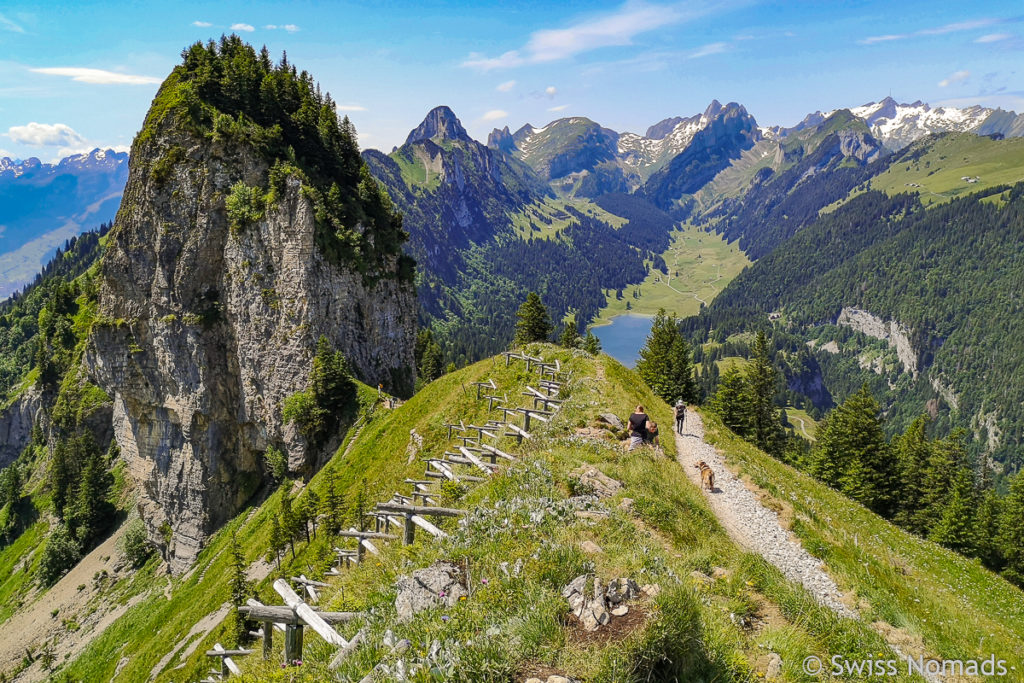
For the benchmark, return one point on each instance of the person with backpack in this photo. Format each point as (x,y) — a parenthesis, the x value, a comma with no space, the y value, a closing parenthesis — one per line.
(680,413)
(637,428)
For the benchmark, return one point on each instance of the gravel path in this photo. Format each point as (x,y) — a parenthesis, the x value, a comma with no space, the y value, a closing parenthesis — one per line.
(753,526)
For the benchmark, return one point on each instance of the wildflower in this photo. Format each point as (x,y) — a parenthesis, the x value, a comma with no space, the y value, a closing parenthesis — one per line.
(445,618)
(462,597)
(483,581)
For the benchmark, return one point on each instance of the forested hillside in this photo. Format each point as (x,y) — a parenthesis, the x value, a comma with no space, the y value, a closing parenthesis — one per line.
(485,229)
(922,304)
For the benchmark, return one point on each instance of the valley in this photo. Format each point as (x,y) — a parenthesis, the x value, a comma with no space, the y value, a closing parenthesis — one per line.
(399,382)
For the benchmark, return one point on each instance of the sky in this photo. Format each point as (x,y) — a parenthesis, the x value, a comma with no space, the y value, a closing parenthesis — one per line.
(74,76)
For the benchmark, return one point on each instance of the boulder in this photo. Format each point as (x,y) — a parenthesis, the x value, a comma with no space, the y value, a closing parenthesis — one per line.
(602,485)
(439,584)
(611,419)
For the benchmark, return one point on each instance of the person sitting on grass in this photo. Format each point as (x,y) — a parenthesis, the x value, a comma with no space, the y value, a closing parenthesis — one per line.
(637,428)
(652,434)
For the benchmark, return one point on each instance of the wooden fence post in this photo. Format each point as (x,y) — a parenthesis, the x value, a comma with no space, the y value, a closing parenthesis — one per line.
(292,643)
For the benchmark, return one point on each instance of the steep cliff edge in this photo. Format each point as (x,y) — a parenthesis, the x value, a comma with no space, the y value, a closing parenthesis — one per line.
(249,229)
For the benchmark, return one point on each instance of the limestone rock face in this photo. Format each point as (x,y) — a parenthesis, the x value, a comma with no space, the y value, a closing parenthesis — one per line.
(16,425)
(206,328)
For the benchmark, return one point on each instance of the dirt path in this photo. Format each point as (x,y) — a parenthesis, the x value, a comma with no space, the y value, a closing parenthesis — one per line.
(750,524)
(803,428)
(757,529)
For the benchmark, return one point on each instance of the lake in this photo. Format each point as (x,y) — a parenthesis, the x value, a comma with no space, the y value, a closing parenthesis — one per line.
(624,337)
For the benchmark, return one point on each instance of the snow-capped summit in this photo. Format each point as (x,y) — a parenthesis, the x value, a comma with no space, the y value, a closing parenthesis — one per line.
(897,125)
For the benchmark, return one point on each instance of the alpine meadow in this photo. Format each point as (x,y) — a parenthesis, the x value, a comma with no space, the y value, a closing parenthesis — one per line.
(320,361)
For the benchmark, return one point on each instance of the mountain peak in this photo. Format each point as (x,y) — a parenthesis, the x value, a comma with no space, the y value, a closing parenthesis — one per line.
(440,122)
(713,109)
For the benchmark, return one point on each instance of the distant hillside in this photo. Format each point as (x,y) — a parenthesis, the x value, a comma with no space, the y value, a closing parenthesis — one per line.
(486,229)
(44,205)
(918,302)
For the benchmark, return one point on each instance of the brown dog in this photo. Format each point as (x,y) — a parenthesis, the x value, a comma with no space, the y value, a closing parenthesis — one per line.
(707,475)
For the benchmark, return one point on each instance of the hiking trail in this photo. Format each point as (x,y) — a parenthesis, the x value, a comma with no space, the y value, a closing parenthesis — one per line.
(754,527)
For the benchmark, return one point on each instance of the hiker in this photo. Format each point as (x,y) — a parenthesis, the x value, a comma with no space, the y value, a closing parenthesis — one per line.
(637,428)
(680,412)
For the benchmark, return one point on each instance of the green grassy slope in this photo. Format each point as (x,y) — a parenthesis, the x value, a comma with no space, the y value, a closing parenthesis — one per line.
(697,629)
(935,167)
(700,265)
(950,604)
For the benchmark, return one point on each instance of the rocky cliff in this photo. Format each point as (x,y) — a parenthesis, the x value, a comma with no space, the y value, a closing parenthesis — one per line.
(208,322)
(16,422)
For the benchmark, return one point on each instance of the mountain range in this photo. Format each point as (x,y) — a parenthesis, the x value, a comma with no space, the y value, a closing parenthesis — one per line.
(43,205)
(213,395)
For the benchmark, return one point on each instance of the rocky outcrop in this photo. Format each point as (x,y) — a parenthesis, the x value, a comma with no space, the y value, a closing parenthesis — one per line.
(206,328)
(892,332)
(440,123)
(16,422)
(438,585)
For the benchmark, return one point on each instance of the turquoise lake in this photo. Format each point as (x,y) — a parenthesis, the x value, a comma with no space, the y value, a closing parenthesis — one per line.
(624,337)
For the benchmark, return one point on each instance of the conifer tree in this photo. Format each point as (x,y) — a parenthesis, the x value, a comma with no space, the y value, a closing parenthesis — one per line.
(289,520)
(732,402)
(358,510)
(571,335)
(534,322)
(763,380)
(91,511)
(60,477)
(241,590)
(331,506)
(986,530)
(852,454)
(312,505)
(912,451)
(955,528)
(591,344)
(277,541)
(1011,531)
(947,460)
(665,363)
(429,357)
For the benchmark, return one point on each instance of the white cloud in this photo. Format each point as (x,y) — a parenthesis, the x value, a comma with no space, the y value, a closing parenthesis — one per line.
(709,49)
(993,38)
(96,76)
(506,86)
(8,25)
(45,135)
(202,24)
(616,28)
(494,115)
(957,26)
(551,90)
(291,28)
(955,77)
(871,40)
(243,27)
(350,107)
(934,31)
(561,107)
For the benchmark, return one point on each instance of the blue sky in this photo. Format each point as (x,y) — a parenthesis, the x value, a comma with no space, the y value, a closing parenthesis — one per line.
(79,75)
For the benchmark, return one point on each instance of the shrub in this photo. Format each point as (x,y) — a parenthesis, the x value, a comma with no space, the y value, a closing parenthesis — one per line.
(60,554)
(244,205)
(135,546)
(277,462)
